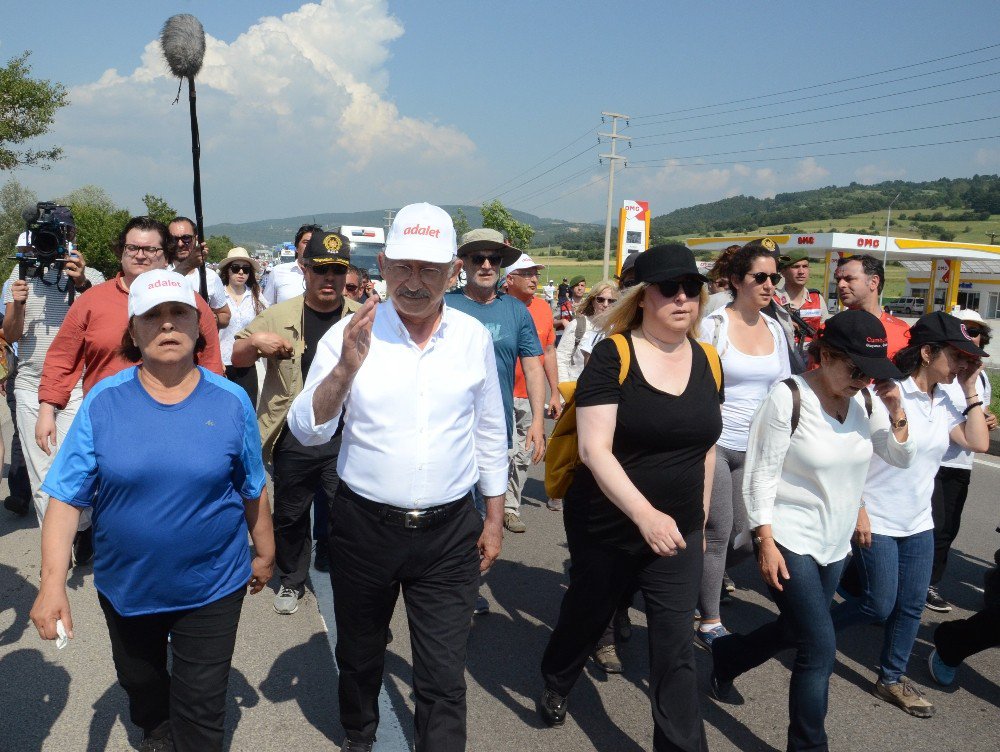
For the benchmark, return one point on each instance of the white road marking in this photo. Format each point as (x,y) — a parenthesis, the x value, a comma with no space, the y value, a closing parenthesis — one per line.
(987,463)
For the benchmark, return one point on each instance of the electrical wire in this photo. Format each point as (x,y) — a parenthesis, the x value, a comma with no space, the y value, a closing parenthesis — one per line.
(546,172)
(595,181)
(539,191)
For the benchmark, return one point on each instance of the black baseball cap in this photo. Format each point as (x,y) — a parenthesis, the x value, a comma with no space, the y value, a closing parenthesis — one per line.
(861,336)
(943,328)
(327,248)
(663,262)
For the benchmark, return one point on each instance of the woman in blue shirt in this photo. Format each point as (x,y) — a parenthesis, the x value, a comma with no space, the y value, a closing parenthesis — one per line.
(171,546)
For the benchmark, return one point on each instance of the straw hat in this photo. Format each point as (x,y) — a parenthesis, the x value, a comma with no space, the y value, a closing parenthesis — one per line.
(240,254)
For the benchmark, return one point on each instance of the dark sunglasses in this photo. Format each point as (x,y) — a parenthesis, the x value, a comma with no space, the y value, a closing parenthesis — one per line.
(318,269)
(239,269)
(973,331)
(479,259)
(762,277)
(183,239)
(669,287)
(857,374)
(351,287)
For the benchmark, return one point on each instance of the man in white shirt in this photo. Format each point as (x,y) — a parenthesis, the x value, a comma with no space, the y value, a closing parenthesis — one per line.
(417,385)
(185,258)
(288,280)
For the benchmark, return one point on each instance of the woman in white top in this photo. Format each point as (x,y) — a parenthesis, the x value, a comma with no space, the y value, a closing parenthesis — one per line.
(239,274)
(569,357)
(951,484)
(754,356)
(894,546)
(805,468)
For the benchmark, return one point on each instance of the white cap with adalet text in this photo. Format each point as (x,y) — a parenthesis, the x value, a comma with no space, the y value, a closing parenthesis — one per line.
(421,232)
(158,286)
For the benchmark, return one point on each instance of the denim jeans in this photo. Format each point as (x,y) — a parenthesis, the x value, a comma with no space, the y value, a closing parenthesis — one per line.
(894,574)
(804,624)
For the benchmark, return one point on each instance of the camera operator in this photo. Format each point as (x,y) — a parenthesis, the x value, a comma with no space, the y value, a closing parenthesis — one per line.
(42,288)
(185,257)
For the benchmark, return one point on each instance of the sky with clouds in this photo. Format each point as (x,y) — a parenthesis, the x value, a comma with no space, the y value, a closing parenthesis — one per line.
(348,105)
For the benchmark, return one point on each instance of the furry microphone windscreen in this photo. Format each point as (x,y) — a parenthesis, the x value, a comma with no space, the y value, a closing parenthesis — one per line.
(183,43)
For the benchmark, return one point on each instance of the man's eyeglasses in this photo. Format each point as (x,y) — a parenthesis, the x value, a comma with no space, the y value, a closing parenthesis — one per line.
(239,269)
(183,239)
(146,250)
(429,275)
(479,259)
(526,274)
(351,287)
(320,269)
(670,287)
(762,277)
(608,301)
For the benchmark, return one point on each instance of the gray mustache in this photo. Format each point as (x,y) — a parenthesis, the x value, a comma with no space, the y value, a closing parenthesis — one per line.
(413,294)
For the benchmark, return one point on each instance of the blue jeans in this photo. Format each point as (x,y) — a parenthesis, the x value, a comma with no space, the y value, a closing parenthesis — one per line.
(894,574)
(804,624)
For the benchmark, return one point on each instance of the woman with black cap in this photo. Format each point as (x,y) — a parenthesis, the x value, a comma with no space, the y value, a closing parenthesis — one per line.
(647,421)
(802,504)
(894,545)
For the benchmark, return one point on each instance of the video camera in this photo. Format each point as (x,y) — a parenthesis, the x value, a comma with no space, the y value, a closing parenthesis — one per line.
(51,231)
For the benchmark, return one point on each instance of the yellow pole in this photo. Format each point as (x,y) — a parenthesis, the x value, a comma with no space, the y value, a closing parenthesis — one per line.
(954,277)
(929,300)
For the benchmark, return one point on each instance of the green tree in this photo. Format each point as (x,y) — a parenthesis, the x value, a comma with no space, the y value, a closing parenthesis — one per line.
(219,246)
(97,230)
(13,198)
(27,110)
(461,224)
(498,217)
(158,208)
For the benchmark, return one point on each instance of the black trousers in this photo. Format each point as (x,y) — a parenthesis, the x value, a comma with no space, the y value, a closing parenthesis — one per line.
(17,475)
(300,475)
(951,488)
(246,378)
(192,698)
(598,575)
(438,572)
(957,640)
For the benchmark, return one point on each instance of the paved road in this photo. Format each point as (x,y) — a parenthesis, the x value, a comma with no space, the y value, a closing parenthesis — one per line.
(283,685)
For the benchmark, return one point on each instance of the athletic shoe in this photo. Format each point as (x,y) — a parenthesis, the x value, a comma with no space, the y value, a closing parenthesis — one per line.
(287,600)
(903,694)
(554,505)
(705,639)
(935,602)
(552,708)
(727,583)
(83,547)
(607,658)
(350,746)
(158,740)
(943,673)
(17,506)
(512,521)
(623,626)
(322,559)
(482,606)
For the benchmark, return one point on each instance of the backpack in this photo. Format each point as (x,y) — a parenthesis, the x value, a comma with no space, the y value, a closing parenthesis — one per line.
(562,454)
(793,387)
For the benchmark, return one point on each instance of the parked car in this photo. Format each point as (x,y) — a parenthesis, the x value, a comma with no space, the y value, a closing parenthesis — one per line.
(906,305)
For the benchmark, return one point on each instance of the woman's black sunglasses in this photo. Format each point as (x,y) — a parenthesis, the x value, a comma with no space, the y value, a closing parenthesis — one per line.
(761,277)
(670,287)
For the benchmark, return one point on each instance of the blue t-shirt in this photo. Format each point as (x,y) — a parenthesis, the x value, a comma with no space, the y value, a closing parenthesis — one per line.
(166,483)
(514,336)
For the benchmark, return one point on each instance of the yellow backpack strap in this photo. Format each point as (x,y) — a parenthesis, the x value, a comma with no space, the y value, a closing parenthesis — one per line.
(623,353)
(714,363)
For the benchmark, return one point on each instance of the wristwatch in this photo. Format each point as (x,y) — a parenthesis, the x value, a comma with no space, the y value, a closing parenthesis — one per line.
(897,424)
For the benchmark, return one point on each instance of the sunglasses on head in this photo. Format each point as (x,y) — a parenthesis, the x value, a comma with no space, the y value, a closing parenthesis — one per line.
(762,277)
(480,258)
(670,287)
(239,269)
(351,287)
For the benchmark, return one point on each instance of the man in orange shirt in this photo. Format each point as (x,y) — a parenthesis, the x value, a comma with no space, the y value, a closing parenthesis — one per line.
(522,282)
(860,280)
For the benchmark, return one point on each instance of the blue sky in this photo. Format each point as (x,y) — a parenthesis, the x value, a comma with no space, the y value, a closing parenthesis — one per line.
(349,105)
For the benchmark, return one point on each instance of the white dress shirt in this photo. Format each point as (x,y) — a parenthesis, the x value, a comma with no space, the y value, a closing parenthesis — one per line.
(808,485)
(286,281)
(420,426)
(216,290)
(956,456)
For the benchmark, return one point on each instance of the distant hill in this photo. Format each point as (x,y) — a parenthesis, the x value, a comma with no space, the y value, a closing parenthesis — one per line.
(269,232)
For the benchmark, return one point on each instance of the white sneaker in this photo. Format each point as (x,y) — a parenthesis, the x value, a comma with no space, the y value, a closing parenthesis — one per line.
(287,600)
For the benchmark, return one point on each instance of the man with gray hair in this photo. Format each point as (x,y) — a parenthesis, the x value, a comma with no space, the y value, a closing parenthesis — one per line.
(416,383)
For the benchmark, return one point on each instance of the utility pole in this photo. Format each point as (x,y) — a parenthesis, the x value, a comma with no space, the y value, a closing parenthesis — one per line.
(390,214)
(612,158)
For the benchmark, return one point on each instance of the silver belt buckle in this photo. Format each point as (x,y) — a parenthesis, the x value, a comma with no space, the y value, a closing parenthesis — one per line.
(412,519)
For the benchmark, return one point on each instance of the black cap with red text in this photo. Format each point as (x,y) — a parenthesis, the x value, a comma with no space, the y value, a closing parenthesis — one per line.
(862,338)
(943,328)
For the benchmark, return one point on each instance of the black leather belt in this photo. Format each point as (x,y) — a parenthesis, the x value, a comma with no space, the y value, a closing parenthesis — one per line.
(411,519)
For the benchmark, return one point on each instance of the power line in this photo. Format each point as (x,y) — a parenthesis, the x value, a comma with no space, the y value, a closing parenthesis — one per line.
(550,186)
(810,122)
(595,181)
(828,154)
(824,141)
(546,172)
(816,86)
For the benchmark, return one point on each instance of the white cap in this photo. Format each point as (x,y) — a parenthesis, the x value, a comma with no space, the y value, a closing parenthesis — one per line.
(968,314)
(158,286)
(421,232)
(524,262)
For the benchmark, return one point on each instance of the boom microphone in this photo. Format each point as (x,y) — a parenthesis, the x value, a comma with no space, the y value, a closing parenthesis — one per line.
(183,41)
